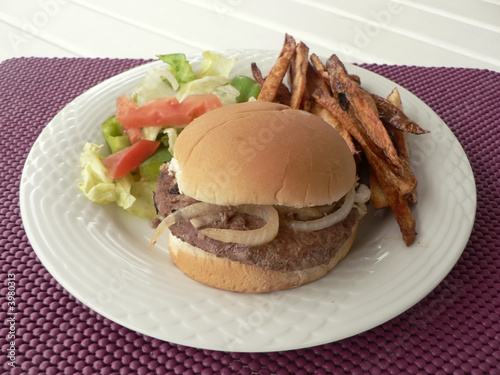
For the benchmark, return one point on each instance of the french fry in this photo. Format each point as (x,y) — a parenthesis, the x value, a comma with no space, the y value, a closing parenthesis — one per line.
(314,81)
(363,109)
(307,102)
(319,67)
(398,204)
(363,106)
(386,186)
(355,78)
(395,99)
(387,180)
(384,195)
(298,71)
(395,199)
(377,197)
(394,116)
(400,140)
(357,131)
(257,74)
(283,94)
(275,77)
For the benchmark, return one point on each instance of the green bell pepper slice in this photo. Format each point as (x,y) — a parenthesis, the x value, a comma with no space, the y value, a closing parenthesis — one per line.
(113,135)
(247,87)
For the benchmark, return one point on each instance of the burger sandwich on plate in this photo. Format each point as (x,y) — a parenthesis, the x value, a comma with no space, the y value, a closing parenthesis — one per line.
(259,197)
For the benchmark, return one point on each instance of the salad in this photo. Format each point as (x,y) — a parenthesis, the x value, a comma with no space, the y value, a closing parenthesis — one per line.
(140,136)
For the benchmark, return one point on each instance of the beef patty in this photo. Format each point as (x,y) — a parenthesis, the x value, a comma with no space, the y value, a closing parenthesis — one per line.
(290,250)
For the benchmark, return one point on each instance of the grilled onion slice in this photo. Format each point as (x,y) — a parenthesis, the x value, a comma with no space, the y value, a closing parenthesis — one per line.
(335,217)
(361,197)
(363,194)
(188,212)
(253,237)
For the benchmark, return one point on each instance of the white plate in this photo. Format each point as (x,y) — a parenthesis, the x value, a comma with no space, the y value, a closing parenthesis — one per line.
(101,255)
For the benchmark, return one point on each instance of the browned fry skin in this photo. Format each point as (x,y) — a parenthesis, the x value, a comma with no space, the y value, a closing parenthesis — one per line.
(298,70)
(257,74)
(274,80)
(391,115)
(363,106)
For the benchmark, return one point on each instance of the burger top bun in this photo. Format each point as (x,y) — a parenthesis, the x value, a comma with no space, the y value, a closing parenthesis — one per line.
(262,153)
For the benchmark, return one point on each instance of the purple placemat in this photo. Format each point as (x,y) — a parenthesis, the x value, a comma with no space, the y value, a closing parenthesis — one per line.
(454,330)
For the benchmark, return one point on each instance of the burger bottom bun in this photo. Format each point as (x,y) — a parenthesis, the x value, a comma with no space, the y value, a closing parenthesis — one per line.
(226,274)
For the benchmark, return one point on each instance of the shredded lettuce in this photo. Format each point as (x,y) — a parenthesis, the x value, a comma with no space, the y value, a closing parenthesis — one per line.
(94,184)
(123,188)
(215,64)
(126,192)
(217,85)
(227,94)
(153,86)
(98,187)
(177,79)
(179,66)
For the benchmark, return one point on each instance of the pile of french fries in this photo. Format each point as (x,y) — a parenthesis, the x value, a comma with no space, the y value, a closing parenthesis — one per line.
(374,128)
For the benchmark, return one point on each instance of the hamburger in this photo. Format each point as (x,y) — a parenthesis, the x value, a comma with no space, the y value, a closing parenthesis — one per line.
(259,197)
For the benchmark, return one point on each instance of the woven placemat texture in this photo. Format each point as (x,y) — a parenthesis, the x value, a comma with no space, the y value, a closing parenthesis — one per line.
(454,330)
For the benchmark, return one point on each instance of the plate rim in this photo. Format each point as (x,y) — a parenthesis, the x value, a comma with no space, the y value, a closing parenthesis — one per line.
(142,69)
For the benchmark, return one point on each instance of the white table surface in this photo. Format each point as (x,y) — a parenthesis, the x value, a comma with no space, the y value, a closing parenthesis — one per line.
(458,33)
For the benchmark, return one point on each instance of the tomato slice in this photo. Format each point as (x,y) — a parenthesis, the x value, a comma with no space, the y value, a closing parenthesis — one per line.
(196,105)
(129,158)
(134,134)
(164,111)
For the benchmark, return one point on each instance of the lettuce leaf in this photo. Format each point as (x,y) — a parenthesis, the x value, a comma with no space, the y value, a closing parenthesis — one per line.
(217,85)
(153,86)
(95,185)
(123,190)
(133,196)
(215,64)
(179,66)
